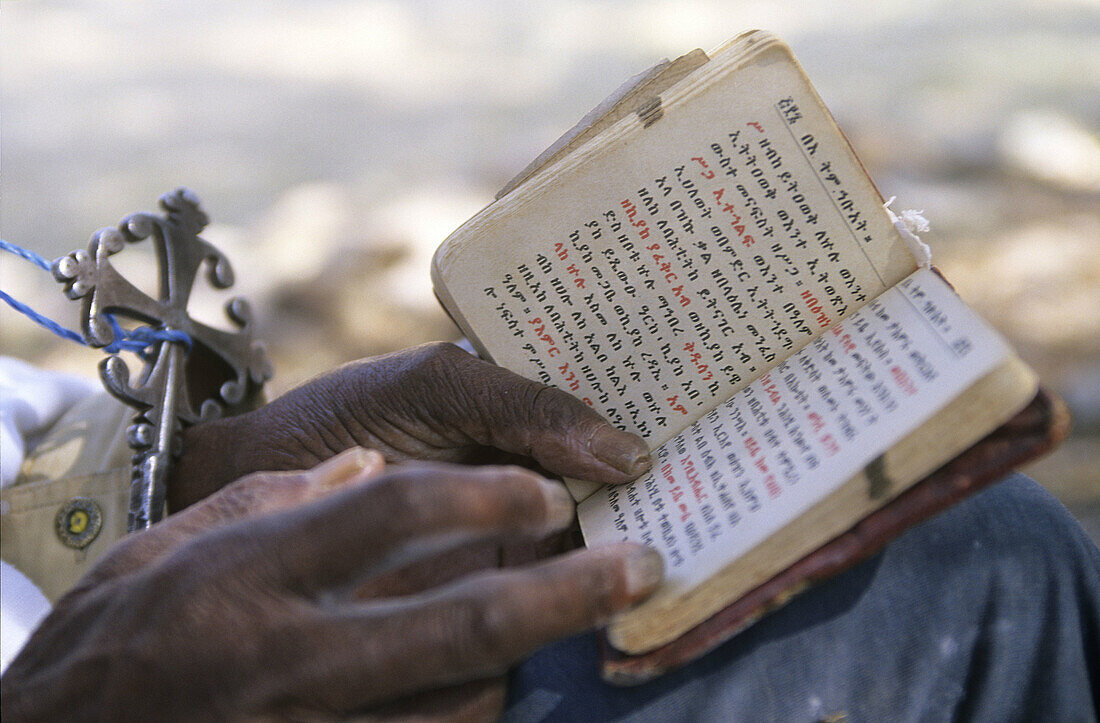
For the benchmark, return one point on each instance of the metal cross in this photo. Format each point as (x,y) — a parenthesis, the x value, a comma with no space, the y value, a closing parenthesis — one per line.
(174,387)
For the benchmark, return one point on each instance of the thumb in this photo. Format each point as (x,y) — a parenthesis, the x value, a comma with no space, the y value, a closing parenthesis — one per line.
(563,434)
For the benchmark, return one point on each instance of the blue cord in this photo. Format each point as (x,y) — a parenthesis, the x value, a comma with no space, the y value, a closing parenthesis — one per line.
(25,253)
(42,320)
(137,340)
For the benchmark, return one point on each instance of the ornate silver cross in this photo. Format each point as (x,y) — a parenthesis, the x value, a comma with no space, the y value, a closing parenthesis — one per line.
(196,378)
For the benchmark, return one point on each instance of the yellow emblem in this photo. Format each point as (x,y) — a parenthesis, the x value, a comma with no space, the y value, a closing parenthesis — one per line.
(78,522)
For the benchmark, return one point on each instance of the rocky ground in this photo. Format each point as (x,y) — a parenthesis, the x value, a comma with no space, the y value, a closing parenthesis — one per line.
(335,144)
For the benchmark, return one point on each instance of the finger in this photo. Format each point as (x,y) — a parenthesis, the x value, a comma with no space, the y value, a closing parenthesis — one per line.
(471,630)
(266,492)
(562,433)
(256,494)
(453,564)
(410,513)
(431,572)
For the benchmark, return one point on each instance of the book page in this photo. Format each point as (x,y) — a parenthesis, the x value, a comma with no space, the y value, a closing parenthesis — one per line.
(647,84)
(669,262)
(774,449)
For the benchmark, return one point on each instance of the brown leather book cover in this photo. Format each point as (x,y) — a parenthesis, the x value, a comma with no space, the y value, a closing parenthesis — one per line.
(1036,430)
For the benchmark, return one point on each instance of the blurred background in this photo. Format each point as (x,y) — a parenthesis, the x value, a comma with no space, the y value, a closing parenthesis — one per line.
(335,144)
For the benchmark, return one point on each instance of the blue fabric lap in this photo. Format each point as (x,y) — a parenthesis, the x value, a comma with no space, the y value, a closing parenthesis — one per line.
(990,611)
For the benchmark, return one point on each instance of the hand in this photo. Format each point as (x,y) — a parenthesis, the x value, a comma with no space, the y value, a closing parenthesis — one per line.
(433,402)
(244,605)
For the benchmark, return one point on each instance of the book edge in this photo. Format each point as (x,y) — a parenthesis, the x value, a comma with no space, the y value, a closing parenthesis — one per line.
(740,50)
(632,633)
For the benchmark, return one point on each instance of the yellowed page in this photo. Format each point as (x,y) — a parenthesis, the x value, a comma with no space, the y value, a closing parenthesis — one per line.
(659,269)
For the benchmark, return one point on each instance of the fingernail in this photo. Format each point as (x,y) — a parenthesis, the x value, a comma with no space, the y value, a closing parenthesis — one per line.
(348,465)
(622,450)
(644,570)
(559,505)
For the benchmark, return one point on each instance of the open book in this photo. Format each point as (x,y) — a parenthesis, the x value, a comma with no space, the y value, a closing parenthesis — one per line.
(705,262)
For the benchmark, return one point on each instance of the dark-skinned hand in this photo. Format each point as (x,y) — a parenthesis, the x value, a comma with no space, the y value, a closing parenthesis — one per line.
(250,603)
(432,403)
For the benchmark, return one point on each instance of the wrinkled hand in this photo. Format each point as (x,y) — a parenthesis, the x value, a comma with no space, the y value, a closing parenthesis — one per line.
(246,605)
(433,402)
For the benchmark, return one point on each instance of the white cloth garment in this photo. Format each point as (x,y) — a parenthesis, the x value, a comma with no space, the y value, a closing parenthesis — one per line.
(31,400)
